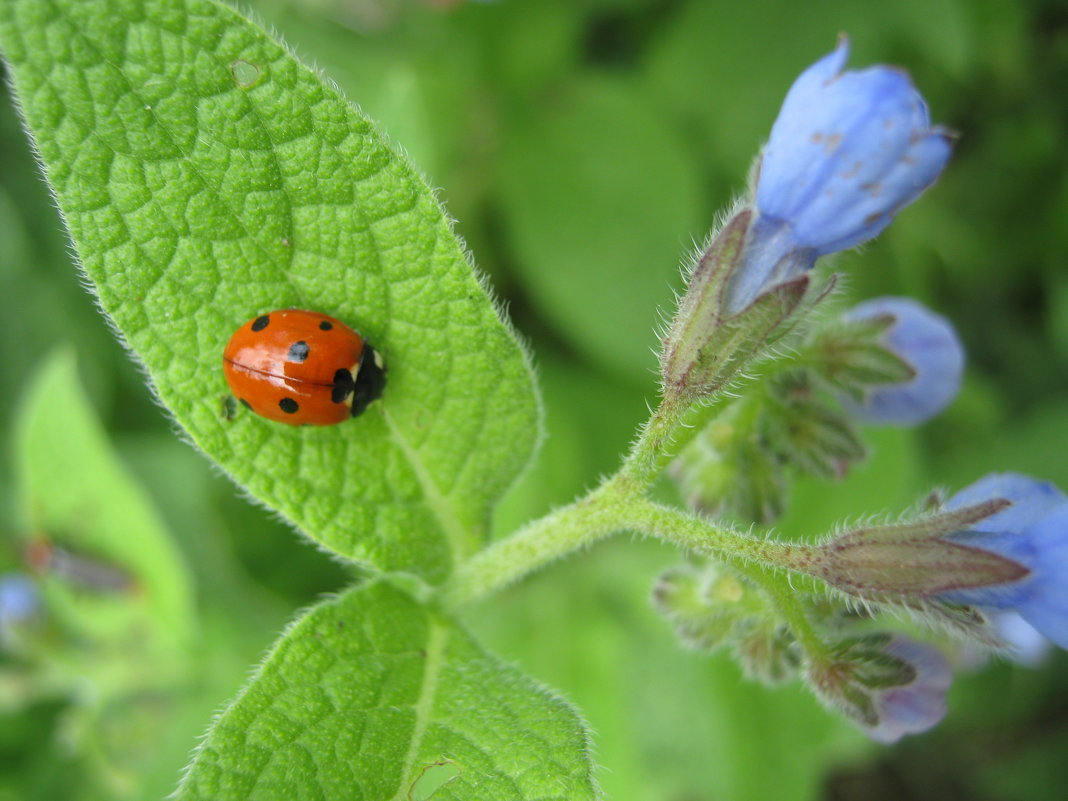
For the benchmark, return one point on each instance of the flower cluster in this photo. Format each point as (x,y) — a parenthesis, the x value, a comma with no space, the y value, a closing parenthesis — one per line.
(848,151)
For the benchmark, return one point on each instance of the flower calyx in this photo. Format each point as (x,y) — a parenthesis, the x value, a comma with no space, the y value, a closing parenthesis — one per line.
(913,559)
(708,343)
(889,685)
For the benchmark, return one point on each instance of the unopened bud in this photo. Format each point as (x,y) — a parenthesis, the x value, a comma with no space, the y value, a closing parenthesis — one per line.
(704,605)
(890,686)
(727,471)
(812,434)
(912,561)
(708,343)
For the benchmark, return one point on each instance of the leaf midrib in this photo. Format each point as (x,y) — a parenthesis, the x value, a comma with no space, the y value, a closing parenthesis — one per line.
(437,642)
(438,503)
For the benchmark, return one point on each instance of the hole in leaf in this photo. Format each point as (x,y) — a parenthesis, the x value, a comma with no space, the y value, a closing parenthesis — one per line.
(245,74)
(433,777)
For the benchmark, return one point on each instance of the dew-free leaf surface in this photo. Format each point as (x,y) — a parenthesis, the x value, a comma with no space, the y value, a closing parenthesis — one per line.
(207,177)
(371,697)
(107,566)
(600,201)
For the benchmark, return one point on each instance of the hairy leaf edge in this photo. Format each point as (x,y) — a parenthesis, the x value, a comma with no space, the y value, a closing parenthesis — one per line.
(451,525)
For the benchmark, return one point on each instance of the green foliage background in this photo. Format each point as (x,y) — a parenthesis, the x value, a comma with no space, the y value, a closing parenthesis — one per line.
(582,146)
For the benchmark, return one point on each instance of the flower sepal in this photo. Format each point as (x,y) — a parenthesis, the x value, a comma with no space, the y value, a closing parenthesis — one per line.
(810,432)
(889,686)
(707,344)
(913,561)
(850,357)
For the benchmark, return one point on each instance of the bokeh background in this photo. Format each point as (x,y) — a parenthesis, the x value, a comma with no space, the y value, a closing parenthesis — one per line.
(583,146)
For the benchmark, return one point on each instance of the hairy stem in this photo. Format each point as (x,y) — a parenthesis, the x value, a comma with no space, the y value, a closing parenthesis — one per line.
(778,590)
(615,506)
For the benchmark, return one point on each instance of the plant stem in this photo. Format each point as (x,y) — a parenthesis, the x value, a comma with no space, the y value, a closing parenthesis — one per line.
(778,590)
(613,507)
(591,518)
(544,540)
(618,504)
(651,452)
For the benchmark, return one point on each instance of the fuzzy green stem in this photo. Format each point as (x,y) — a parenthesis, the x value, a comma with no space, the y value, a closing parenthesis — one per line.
(653,450)
(777,588)
(613,507)
(597,515)
(536,544)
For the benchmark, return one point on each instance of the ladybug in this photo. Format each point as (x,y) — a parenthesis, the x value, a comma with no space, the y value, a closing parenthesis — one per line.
(302,368)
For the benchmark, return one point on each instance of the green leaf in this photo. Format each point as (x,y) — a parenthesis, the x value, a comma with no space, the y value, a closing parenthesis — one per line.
(670,724)
(600,200)
(206,177)
(110,571)
(372,696)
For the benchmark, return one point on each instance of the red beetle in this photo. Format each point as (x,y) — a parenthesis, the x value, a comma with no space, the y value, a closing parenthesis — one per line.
(302,368)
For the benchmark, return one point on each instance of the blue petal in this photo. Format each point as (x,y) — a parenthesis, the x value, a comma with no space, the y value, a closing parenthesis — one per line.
(1049,616)
(864,131)
(1040,598)
(903,181)
(1029,648)
(19,597)
(1031,499)
(846,153)
(919,705)
(771,257)
(928,343)
(873,205)
(1046,604)
(794,156)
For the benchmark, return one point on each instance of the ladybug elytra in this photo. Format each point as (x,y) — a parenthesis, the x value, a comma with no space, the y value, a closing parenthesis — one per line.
(302,368)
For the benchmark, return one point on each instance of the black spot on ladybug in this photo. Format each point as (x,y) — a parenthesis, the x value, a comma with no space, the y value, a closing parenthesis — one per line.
(288,405)
(325,325)
(261,322)
(245,403)
(343,386)
(298,351)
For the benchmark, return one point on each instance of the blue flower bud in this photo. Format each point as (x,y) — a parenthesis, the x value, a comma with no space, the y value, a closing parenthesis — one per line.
(919,705)
(889,686)
(846,153)
(19,598)
(1032,532)
(929,345)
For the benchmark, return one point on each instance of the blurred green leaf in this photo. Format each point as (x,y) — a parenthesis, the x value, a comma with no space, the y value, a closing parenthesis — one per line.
(111,570)
(601,203)
(372,696)
(206,177)
(669,723)
(590,419)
